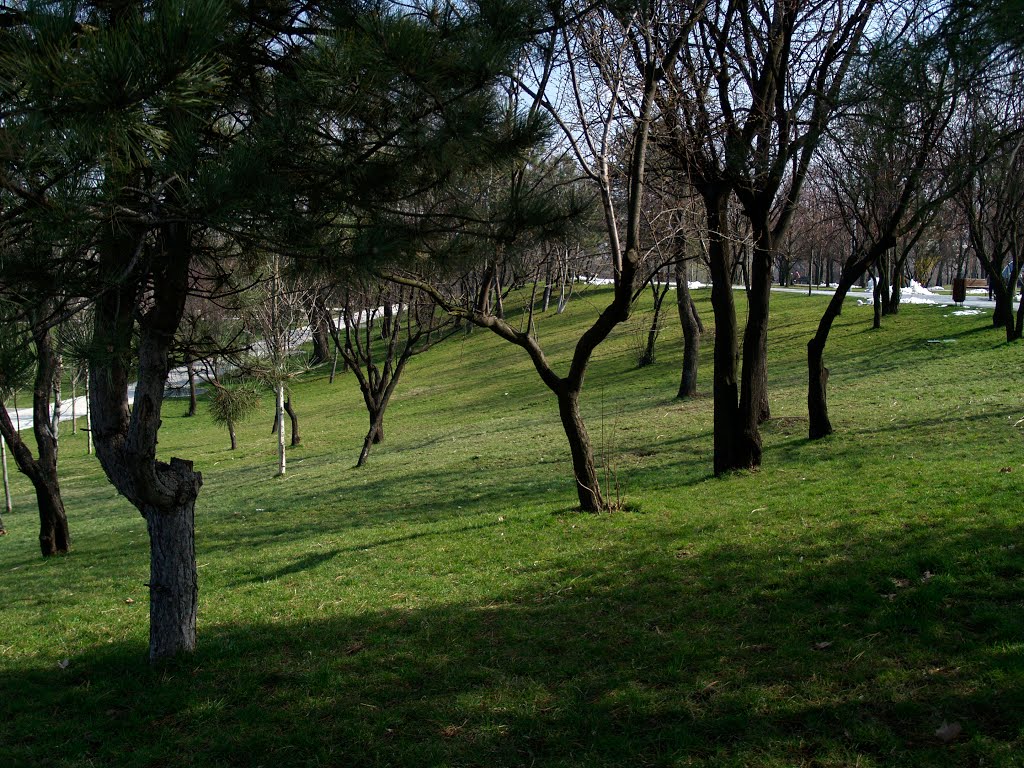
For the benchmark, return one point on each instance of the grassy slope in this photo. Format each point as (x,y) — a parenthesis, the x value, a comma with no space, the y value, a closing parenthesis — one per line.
(445,605)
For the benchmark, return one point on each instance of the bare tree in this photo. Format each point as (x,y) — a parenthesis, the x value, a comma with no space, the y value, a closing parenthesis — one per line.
(749,100)
(889,169)
(377,344)
(278,321)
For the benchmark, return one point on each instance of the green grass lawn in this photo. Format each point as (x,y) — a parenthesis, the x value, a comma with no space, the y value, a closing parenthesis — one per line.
(445,605)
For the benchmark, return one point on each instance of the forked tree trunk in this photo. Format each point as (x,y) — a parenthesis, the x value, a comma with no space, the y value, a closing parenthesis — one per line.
(42,471)
(588,488)
(126,438)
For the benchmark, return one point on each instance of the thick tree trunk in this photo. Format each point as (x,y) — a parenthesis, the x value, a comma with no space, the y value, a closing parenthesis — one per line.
(296,438)
(173,577)
(588,488)
(690,323)
(1002,315)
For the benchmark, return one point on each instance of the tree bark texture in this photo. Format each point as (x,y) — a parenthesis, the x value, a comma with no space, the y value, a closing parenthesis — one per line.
(588,488)
(173,576)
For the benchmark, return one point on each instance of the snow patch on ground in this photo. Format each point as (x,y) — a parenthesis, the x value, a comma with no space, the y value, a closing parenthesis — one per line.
(965,312)
(693,284)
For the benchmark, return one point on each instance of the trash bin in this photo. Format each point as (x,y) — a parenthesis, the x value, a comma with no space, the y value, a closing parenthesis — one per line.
(959,290)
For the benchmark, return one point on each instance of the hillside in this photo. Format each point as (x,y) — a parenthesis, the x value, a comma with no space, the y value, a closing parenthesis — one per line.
(445,604)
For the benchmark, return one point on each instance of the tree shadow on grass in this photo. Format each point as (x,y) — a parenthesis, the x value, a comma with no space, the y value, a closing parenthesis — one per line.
(802,653)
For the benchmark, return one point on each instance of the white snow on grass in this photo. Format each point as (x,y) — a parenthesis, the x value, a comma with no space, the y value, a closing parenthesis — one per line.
(965,313)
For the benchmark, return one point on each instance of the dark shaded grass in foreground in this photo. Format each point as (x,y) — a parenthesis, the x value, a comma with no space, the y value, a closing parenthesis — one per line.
(665,656)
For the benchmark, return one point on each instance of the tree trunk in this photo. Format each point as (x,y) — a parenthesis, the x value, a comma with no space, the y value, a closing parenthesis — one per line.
(55,414)
(191,368)
(53,522)
(725,385)
(754,392)
(88,419)
(282,461)
(296,439)
(546,300)
(7,483)
(173,576)
(42,471)
(817,374)
(231,434)
(126,438)
(1019,324)
(647,356)
(876,303)
(587,486)
(689,320)
(374,436)
(1002,315)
